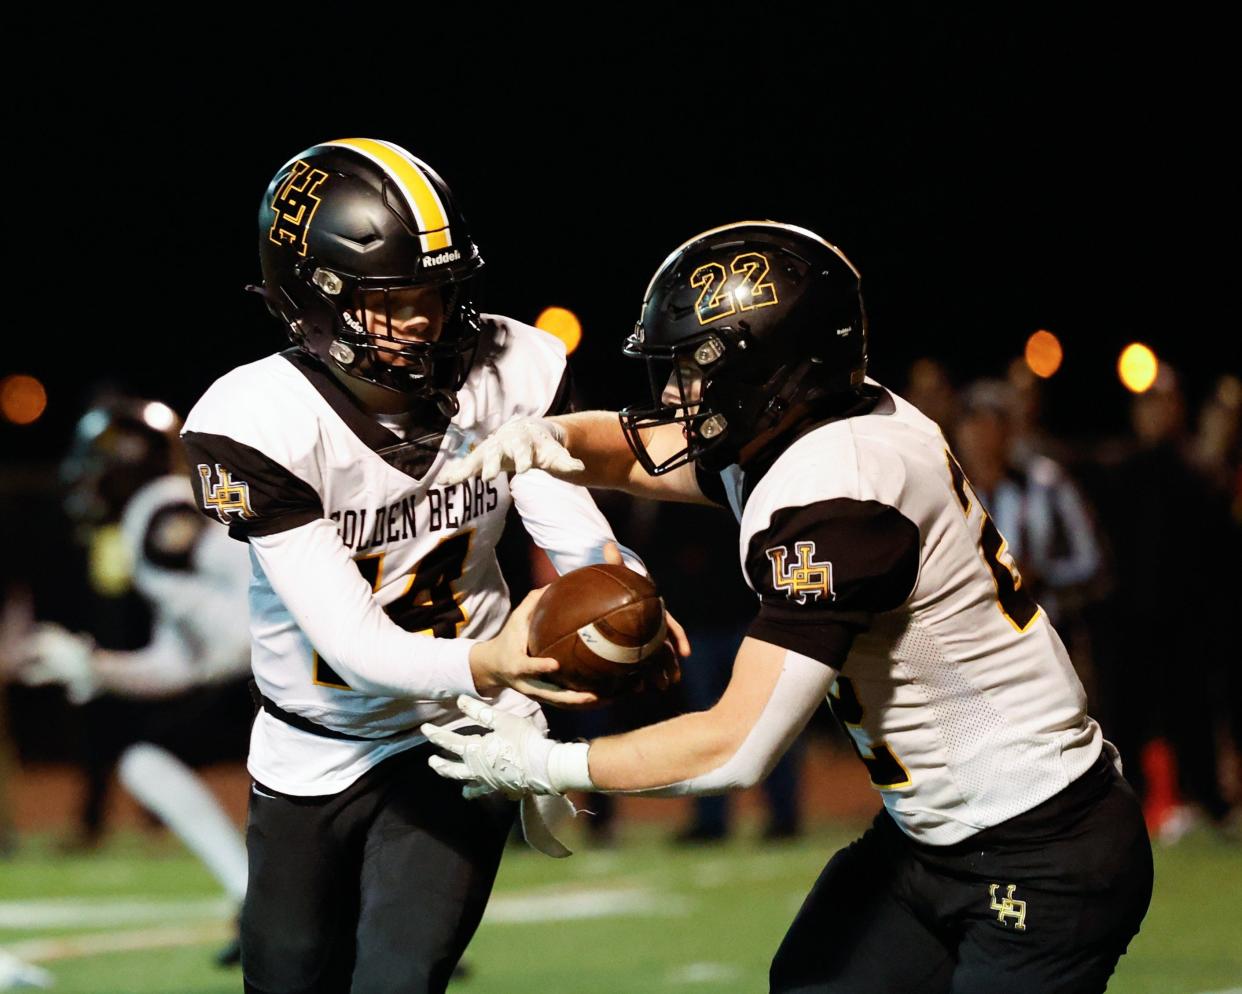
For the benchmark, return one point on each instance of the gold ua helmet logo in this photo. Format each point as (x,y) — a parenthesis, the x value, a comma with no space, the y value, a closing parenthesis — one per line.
(294,205)
(805,578)
(1009,907)
(225,497)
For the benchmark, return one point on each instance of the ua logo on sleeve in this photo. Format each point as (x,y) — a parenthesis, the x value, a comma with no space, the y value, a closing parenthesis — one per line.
(225,497)
(805,577)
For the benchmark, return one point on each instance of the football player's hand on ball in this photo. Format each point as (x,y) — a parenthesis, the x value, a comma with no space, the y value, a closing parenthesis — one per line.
(512,758)
(522,444)
(50,654)
(677,648)
(505,662)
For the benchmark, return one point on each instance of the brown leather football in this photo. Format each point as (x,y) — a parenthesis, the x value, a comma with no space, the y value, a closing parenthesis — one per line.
(605,625)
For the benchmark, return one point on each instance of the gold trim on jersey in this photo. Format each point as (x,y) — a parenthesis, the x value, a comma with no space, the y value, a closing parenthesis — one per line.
(410,176)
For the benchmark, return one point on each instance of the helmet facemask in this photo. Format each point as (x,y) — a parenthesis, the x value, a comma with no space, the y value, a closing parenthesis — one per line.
(680,378)
(369,343)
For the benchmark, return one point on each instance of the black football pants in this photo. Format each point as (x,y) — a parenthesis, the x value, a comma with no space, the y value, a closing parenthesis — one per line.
(1044,903)
(376,890)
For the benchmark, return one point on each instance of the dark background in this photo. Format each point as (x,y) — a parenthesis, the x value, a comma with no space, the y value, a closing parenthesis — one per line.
(990,174)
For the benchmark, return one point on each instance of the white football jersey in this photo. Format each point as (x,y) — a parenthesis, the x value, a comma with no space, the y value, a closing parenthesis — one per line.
(283,455)
(870,552)
(195,581)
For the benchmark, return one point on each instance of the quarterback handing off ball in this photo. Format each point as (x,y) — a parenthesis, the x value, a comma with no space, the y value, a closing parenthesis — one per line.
(605,625)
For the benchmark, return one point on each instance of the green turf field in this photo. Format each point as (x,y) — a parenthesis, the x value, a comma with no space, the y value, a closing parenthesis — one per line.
(642,917)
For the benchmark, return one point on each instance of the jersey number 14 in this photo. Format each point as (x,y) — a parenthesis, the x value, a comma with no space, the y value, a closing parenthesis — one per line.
(427,606)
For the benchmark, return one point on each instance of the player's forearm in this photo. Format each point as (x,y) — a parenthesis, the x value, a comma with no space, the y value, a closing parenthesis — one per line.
(564,521)
(160,669)
(670,752)
(596,438)
(770,699)
(312,574)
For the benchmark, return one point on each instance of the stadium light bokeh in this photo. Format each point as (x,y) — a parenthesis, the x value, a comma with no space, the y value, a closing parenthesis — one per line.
(563,323)
(23,399)
(1137,366)
(1043,354)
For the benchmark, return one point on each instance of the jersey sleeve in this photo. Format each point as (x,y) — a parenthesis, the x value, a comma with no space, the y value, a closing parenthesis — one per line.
(250,492)
(533,369)
(824,569)
(253,455)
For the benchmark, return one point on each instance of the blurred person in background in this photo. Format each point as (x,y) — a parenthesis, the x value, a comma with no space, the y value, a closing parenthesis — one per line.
(930,388)
(1217,451)
(1166,524)
(1037,508)
(181,700)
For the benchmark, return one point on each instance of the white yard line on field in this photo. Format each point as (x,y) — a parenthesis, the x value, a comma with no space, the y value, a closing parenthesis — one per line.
(211,920)
(99,943)
(106,913)
(566,905)
(703,973)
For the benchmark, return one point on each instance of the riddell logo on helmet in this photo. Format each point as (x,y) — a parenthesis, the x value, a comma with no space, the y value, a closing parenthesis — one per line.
(353,323)
(439,260)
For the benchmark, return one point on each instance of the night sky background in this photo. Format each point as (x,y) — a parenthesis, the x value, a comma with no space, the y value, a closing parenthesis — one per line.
(990,174)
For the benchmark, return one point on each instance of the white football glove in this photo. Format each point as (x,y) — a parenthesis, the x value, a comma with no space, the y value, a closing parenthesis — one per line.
(516,757)
(51,654)
(520,445)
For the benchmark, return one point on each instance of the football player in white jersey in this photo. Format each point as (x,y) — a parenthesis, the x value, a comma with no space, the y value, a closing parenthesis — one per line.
(173,704)
(376,597)
(1010,854)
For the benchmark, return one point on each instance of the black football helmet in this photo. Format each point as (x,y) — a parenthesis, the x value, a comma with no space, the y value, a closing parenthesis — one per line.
(119,444)
(359,216)
(743,327)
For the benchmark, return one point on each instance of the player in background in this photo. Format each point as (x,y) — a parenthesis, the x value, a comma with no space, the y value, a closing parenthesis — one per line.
(376,598)
(171,704)
(1010,854)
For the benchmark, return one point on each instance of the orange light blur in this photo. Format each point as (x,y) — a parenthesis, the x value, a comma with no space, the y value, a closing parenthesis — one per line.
(22,399)
(1043,354)
(1137,367)
(562,323)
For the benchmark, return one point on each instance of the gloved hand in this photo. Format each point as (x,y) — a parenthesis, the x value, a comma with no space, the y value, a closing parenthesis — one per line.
(51,654)
(520,445)
(516,757)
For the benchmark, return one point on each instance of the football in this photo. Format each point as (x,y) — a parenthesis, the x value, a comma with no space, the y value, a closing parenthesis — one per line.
(605,625)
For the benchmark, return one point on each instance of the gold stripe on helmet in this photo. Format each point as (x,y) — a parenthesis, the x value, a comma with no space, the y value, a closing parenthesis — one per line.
(411,179)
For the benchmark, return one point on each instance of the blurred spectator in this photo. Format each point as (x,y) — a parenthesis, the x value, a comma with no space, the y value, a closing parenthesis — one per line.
(1045,521)
(1167,525)
(930,389)
(1029,438)
(180,700)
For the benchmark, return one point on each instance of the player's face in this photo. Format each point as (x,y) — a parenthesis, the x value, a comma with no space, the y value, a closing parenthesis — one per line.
(684,387)
(411,314)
